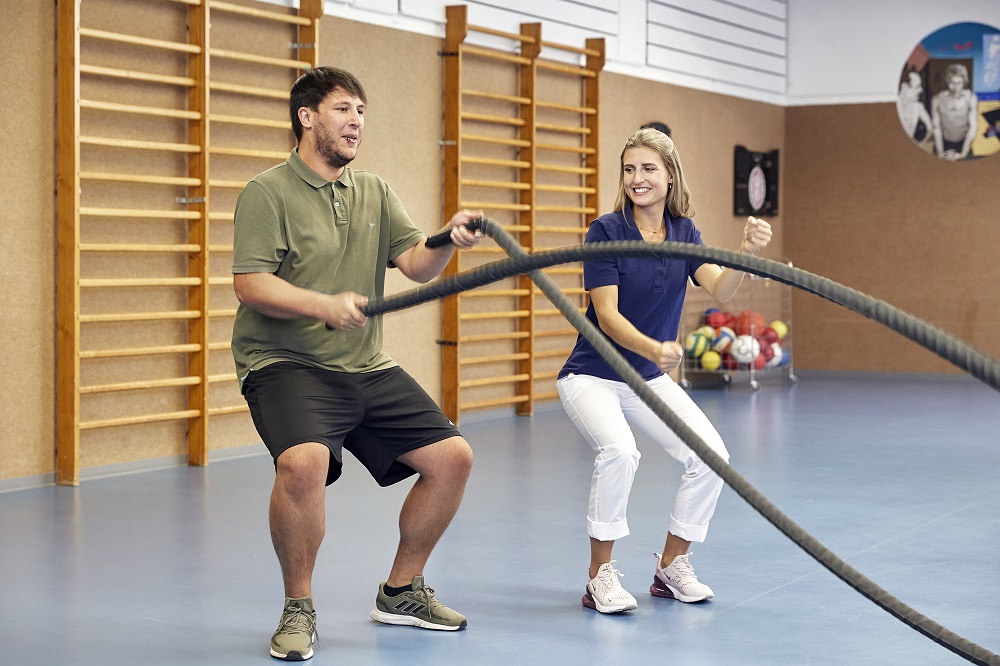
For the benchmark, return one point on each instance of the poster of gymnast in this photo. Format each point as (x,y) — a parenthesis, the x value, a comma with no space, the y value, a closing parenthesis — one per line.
(949,92)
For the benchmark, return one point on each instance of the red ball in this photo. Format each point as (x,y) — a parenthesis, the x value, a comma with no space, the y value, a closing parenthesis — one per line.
(768,337)
(749,322)
(759,362)
(728,362)
(767,352)
(730,319)
(715,319)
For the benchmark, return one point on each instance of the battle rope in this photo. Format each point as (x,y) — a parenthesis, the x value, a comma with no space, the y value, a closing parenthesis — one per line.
(965,357)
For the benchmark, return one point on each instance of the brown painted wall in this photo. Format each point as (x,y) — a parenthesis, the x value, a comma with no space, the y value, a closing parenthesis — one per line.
(867,208)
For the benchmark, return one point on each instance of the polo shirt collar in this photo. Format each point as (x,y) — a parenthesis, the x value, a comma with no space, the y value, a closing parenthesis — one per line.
(313,178)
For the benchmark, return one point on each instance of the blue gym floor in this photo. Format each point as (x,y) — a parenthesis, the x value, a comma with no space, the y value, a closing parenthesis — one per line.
(899,475)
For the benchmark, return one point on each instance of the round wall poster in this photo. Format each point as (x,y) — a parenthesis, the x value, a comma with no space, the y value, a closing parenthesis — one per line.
(949,92)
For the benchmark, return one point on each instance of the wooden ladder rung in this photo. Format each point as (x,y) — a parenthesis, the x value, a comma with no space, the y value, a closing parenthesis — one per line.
(493,381)
(494,337)
(141,213)
(493,54)
(182,47)
(496,184)
(526,39)
(555,313)
(138,316)
(140,145)
(228,184)
(222,313)
(137,420)
(581,210)
(565,69)
(482,138)
(587,110)
(134,247)
(294,19)
(141,385)
(489,161)
(217,379)
(499,97)
(254,91)
(572,49)
(566,129)
(140,282)
(244,120)
(582,150)
(141,351)
(496,120)
(226,54)
(484,292)
(248,152)
(578,231)
(566,189)
(111,72)
(139,178)
(497,358)
(222,280)
(560,333)
(230,409)
(496,205)
(141,110)
(583,171)
(481,316)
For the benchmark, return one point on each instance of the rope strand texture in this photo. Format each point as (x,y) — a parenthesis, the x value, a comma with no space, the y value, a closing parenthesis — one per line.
(955,351)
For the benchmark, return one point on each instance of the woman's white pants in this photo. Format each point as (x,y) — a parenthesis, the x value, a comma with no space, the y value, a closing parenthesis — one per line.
(603,411)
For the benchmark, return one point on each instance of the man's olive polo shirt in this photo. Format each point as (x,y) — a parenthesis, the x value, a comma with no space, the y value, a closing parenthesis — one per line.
(326,236)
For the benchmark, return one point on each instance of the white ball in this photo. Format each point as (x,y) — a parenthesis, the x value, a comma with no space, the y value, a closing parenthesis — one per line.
(745,348)
(778,355)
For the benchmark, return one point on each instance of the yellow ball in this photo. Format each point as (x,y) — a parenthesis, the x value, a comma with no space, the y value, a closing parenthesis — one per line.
(780,328)
(696,343)
(711,360)
(707,330)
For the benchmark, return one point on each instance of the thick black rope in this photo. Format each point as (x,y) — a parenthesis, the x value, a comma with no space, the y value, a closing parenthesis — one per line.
(976,363)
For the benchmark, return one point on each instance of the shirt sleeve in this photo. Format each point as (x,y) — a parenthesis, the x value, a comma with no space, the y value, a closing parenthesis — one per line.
(403,233)
(259,241)
(599,272)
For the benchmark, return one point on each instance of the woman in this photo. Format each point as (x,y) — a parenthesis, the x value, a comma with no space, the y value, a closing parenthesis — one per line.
(637,304)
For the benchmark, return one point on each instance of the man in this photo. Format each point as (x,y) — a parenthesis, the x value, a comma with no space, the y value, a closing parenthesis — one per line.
(953,111)
(912,114)
(313,239)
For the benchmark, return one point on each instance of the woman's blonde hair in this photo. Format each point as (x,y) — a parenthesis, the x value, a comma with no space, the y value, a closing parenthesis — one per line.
(679,196)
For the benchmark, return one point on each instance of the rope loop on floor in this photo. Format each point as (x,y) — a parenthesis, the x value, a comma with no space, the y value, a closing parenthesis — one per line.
(963,356)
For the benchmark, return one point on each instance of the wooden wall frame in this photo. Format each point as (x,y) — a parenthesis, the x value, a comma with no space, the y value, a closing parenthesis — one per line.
(501,339)
(194,210)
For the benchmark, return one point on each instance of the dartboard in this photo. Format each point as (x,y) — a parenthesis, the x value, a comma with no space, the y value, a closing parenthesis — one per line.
(756,187)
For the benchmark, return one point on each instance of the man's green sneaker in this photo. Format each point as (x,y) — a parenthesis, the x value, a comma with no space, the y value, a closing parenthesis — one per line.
(293,641)
(417,607)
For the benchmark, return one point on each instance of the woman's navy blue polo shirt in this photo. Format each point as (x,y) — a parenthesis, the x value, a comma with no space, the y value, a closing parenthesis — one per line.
(650,291)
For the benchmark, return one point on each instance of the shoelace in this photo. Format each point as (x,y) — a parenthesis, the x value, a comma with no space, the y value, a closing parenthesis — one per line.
(609,575)
(428,594)
(684,569)
(296,620)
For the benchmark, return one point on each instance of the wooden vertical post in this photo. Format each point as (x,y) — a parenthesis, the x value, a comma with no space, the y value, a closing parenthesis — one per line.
(68,245)
(528,89)
(308,38)
(592,99)
(456,31)
(198,233)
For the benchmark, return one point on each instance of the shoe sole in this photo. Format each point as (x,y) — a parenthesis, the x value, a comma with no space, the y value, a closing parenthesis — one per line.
(292,656)
(412,621)
(589,602)
(659,589)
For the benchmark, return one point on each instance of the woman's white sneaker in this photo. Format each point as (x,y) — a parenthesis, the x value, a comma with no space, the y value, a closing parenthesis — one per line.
(605,594)
(678,581)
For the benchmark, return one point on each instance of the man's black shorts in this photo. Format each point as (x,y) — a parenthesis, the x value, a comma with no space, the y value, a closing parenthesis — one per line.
(377,416)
